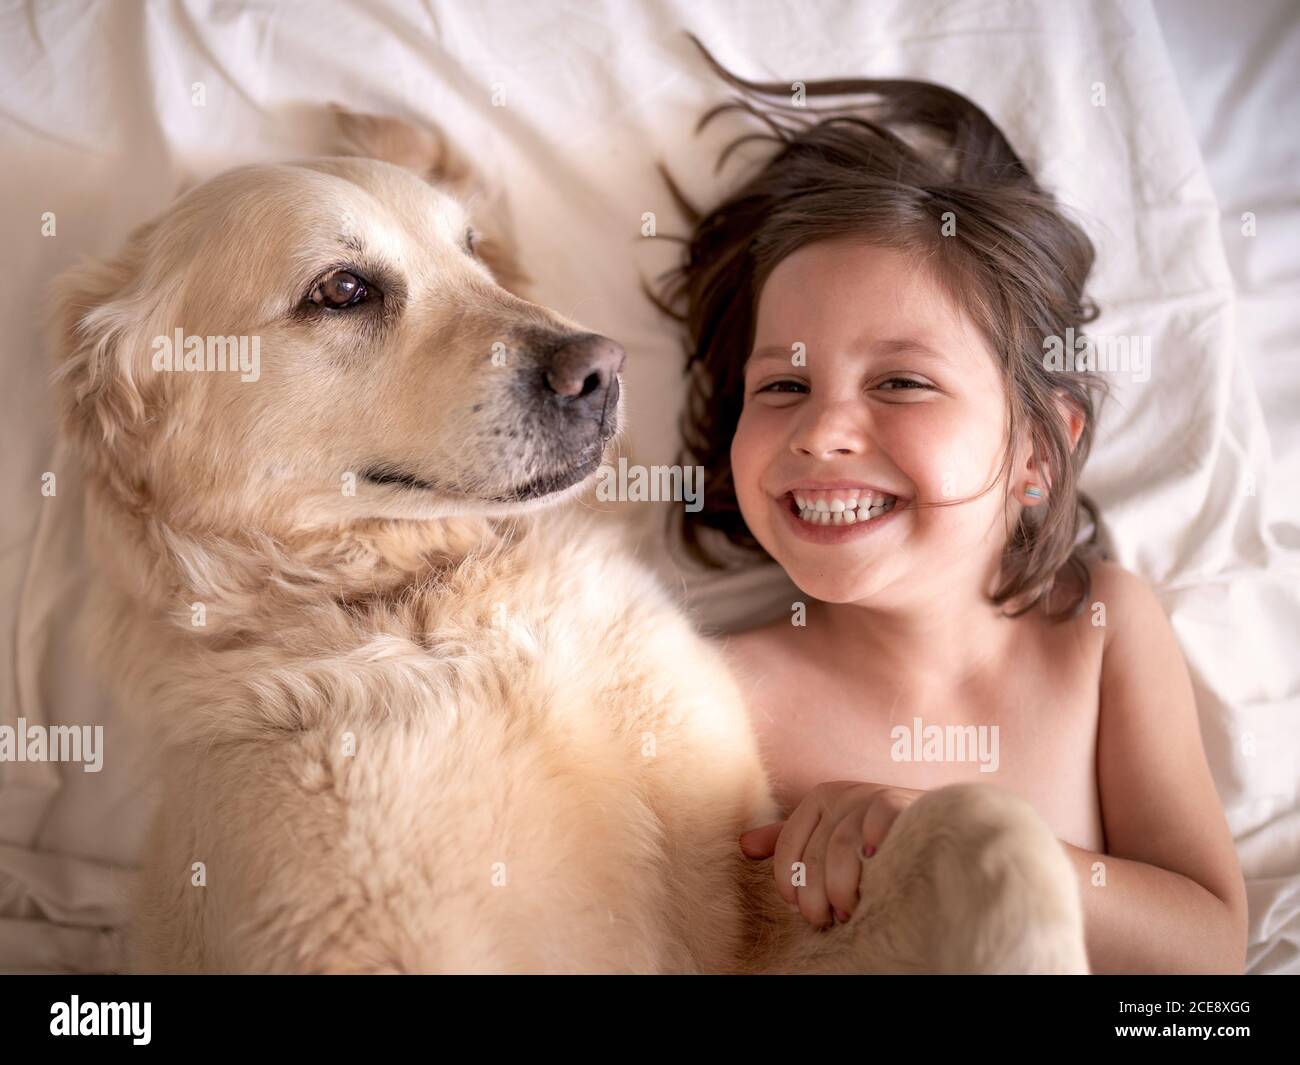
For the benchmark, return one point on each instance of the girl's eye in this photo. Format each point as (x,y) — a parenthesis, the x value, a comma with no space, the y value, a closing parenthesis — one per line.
(901,384)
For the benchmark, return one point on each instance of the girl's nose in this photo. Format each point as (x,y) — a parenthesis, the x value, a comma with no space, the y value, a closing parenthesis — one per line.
(826,432)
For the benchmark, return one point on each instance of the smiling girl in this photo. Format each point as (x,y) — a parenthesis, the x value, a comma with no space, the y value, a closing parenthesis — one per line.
(869,400)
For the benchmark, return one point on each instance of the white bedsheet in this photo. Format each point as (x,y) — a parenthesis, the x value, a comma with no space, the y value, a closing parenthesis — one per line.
(98,125)
(1244,103)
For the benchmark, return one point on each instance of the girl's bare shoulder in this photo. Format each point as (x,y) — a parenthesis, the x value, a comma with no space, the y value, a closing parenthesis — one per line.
(1115,594)
(1109,587)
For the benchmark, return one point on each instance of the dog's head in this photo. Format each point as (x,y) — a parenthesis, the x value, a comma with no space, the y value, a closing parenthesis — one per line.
(300,345)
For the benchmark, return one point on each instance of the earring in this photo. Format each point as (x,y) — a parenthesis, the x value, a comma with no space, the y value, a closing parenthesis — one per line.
(1033,491)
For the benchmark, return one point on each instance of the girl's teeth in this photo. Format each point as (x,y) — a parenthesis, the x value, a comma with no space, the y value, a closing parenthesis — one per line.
(848,510)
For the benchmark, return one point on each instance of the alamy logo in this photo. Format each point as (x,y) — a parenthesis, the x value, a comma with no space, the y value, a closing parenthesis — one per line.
(102,1018)
(946,743)
(1109,354)
(53,743)
(195,354)
(651,484)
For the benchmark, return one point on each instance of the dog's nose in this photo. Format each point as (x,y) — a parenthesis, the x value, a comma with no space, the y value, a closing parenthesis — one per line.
(585,368)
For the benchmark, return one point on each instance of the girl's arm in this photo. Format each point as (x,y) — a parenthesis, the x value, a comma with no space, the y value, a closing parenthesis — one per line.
(1168,896)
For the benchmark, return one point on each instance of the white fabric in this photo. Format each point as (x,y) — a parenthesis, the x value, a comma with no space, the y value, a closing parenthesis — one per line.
(1244,102)
(99,127)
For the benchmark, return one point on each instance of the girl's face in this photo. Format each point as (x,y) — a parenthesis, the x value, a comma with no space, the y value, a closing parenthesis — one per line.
(867,381)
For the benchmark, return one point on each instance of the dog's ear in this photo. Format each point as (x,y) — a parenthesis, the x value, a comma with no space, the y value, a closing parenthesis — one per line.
(101,322)
(425,152)
(428,153)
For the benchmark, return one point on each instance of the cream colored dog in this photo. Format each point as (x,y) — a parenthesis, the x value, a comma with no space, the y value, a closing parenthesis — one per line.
(418,710)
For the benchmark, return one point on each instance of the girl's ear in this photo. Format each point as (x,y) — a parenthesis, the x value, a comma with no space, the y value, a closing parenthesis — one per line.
(1036,472)
(1071,415)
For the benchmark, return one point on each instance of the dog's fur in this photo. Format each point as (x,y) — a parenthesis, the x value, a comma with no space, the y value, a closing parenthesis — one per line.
(440,724)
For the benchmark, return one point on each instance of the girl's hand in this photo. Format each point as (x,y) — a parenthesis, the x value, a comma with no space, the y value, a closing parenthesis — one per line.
(837,824)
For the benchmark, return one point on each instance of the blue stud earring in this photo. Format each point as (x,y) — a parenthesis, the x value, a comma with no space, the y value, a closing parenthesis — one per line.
(1033,491)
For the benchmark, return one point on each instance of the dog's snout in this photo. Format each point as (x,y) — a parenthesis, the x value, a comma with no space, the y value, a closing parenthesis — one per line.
(585,367)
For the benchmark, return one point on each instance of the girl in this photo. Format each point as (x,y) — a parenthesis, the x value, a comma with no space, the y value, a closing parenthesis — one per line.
(869,397)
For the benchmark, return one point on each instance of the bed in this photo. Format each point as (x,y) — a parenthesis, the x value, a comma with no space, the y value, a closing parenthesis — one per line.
(109,109)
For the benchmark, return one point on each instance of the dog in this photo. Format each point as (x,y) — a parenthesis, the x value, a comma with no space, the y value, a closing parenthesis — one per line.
(418,706)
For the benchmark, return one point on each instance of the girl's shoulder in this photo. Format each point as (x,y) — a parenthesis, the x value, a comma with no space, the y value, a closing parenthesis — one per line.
(1110,589)
(1134,639)
(1118,599)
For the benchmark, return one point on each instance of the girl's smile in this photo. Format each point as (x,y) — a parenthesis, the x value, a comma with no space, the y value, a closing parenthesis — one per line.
(834,516)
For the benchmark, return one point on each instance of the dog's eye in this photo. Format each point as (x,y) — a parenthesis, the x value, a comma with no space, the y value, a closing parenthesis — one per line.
(340,289)
(471,241)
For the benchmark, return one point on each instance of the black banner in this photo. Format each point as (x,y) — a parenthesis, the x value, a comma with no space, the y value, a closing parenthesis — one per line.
(147,1014)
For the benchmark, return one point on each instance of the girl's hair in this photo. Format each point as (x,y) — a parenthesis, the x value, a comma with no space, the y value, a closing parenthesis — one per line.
(1013,261)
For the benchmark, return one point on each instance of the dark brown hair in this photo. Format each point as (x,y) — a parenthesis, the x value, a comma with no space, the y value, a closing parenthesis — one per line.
(888,168)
